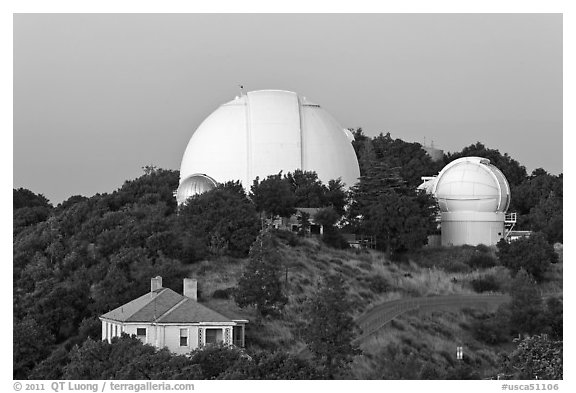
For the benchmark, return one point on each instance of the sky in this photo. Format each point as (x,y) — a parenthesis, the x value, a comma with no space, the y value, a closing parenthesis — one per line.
(99,96)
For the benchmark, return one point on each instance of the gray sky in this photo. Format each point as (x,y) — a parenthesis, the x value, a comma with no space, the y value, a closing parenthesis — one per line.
(98,96)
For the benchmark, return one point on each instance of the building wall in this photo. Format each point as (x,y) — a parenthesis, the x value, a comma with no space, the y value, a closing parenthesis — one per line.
(172,338)
(457,233)
(167,336)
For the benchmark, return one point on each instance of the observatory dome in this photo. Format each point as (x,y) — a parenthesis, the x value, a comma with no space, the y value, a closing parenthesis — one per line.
(262,133)
(472,184)
(193,185)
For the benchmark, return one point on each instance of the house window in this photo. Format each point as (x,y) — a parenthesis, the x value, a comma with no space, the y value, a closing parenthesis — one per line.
(183,337)
(141,334)
(213,336)
(116,330)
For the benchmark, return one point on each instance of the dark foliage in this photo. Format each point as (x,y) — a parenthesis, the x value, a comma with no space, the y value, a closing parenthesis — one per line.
(272,366)
(481,260)
(127,358)
(22,197)
(273,196)
(536,357)
(554,318)
(279,195)
(526,309)
(487,283)
(492,328)
(409,157)
(329,329)
(222,219)
(223,293)
(53,366)
(378,284)
(331,236)
(32,343)
(533,254)
(260,284)
(514,172)
(215,359)
(85,257)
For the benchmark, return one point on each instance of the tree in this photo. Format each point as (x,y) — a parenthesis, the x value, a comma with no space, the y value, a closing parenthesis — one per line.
(336,196)
(330,329)
(413,161)
(127,357)
(307,188)
(547,217)
(538,186)
(328,218)
(32,344)
(260,284)
(534,254)
(514,172)
(22,197)
(53,366)
(536,357)
(399,217)
(273,196)
(216,359)
(224,213)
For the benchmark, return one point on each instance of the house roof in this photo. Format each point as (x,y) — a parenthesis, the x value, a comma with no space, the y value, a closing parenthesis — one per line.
(164,306)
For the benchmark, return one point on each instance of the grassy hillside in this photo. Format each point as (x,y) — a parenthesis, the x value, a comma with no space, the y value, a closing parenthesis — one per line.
(431,338)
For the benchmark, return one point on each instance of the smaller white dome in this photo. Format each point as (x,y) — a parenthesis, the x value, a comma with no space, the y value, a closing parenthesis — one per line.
(194,185)
(472,184)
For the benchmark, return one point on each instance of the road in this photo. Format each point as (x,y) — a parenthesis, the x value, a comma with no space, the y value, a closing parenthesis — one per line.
(377,317)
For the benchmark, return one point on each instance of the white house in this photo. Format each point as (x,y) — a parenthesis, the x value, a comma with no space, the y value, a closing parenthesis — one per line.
(164,318)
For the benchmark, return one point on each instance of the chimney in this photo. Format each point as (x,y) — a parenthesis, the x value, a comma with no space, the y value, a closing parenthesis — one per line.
(191,288)
(155,283)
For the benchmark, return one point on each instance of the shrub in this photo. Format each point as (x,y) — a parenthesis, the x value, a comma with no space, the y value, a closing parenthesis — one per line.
(483,248)
(223,293)
(334,239)
(378,284)
(533,254)
(485,284)
(289,237)
(492,328)
(481,260)
(215,359)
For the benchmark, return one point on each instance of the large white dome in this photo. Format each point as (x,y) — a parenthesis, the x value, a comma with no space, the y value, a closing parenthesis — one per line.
(472,184)
(265,132)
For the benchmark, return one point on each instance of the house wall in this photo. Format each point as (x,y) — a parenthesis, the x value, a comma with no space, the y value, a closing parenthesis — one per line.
(172,338)
(111,329)
(168,335)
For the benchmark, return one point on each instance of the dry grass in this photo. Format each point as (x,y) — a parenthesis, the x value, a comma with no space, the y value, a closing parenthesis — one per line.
(371,279)
(433,337)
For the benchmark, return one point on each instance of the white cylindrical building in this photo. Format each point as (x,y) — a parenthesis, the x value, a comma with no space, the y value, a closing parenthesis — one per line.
(473,196)
(262,133)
